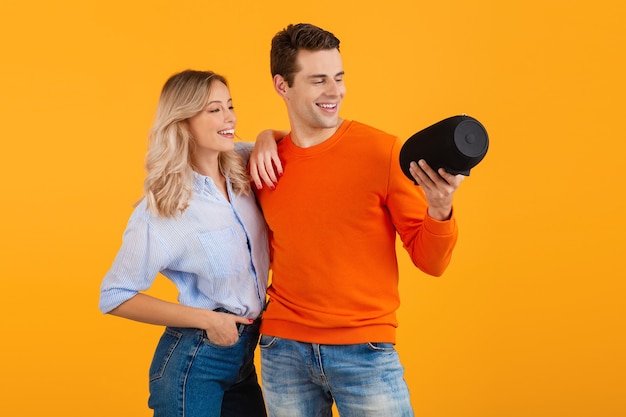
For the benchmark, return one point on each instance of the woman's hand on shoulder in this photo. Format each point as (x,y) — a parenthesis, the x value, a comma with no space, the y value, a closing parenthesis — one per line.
(264,164)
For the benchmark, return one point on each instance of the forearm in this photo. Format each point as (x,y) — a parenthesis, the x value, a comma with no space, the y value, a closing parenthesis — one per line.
(272,134)
(147,309)
(431,250)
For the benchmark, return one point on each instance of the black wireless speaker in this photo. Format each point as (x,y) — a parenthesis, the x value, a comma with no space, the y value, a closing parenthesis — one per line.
(456,144)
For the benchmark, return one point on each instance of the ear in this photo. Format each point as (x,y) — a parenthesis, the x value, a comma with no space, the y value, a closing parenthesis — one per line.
(280,85)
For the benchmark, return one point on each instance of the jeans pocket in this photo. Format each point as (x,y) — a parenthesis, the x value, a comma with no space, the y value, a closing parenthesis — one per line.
(164,351)
(267,342)
(208,342)
(382,347)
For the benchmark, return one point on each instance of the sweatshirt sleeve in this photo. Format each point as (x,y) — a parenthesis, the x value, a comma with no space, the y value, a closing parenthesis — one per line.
(428,241)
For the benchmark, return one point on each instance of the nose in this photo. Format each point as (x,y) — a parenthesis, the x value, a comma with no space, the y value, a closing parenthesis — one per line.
(229,116)
(334,88)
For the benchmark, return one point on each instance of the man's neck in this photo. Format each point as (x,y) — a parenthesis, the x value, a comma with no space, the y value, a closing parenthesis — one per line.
(304,137)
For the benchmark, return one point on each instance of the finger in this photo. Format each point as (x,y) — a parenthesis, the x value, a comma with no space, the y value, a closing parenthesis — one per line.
(428,170)
(254,174)
(277,164)
(419,175)
(227,340)
(258,173)
(224,335)
(453,180)
(266,176)
(244,320)
(439,179)
(271,171)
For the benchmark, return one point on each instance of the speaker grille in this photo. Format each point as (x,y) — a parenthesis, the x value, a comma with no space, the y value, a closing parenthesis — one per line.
(470,138)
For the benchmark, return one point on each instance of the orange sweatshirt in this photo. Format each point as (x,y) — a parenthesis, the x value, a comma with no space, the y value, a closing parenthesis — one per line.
(333,218)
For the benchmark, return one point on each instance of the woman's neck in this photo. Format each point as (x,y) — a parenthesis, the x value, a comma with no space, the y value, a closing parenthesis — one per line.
(211,168)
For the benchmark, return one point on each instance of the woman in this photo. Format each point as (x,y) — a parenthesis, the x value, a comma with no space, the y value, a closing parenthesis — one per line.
(198,225)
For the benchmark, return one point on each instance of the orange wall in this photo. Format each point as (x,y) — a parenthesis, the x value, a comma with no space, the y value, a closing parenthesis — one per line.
(527,321)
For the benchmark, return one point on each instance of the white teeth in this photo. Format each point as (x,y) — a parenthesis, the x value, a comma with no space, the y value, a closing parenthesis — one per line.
(227,132)
(327,106)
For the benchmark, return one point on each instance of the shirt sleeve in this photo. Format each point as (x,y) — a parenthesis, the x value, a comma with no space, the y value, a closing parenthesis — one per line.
(244,149)
(138,261)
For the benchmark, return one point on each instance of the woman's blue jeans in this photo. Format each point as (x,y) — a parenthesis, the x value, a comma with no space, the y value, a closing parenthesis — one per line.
(192,377)
(304,379)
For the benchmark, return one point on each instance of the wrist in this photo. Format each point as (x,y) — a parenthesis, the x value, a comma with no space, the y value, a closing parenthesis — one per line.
(441,214)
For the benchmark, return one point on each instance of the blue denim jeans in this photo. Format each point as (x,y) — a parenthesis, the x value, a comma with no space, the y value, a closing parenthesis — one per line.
(303,379)
(192,377)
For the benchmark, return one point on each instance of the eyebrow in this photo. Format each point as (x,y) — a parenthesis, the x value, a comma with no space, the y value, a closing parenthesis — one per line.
(324,75)
(219,101)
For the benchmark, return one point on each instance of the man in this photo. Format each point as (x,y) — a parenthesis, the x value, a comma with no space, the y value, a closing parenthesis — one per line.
(329,328)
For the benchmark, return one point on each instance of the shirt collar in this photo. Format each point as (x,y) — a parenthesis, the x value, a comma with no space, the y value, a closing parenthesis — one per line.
(203,184)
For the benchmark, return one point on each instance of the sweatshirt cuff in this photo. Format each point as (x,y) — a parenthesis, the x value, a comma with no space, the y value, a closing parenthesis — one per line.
(440,227)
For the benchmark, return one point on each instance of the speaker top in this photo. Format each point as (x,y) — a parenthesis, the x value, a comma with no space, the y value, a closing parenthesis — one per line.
(456,144)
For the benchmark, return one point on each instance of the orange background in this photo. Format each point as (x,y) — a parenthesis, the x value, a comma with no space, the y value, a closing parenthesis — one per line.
(527,321)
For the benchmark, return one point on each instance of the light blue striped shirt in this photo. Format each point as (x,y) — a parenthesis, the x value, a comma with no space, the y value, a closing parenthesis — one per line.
(216,253)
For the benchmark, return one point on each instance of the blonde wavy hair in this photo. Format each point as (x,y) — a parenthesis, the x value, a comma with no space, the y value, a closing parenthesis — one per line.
(169,178)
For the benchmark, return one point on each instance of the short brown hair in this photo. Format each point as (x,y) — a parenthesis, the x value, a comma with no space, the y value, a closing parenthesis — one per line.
(287,43)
